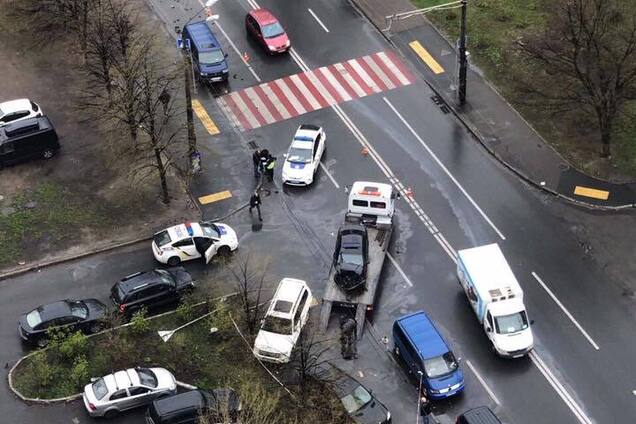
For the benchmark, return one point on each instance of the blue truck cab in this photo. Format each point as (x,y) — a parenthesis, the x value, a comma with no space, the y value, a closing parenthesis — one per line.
(423,350)
(208,58)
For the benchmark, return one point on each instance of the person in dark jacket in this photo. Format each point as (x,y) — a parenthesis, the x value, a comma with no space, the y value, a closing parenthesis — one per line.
(264,158)
(270,166)
(256,159)
(255,202)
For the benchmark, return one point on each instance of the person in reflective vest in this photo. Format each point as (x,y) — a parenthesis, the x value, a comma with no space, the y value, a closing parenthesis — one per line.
(270,165)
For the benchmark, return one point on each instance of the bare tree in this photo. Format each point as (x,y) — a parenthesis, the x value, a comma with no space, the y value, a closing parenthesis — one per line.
(249,276)
(589,46)
(307,359)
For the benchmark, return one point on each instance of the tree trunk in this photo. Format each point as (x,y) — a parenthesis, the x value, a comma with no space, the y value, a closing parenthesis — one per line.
(606,119)
(162,175)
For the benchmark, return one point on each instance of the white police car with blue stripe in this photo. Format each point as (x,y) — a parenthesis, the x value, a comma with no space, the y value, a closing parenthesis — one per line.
(303,157)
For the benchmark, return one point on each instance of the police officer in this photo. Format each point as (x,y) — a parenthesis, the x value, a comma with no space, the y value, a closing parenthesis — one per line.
(255,202)
(270,165)
(348,328)
(256,159)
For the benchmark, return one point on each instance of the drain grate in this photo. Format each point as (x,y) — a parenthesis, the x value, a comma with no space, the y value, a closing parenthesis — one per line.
(441,103)
(252,144)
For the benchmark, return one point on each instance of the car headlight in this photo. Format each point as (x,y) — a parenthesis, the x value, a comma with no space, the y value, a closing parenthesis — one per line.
(271,48)
(225,71)
(388,415)
(288,43)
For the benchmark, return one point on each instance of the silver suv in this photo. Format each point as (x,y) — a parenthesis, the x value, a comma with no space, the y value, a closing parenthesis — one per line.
(123,390)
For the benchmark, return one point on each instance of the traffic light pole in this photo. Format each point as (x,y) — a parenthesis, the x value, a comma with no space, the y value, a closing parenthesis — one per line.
(463,61)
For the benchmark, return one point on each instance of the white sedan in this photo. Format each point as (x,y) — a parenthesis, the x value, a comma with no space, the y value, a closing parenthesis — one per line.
(193,240)
(16,110)
(303,157)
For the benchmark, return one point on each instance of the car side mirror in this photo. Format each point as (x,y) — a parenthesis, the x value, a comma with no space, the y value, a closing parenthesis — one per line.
(225,55)
(285,155)
(488,330)
(459,359)
(531,322)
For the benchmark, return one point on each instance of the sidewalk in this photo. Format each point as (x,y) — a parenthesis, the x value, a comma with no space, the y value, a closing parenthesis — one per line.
(493,121)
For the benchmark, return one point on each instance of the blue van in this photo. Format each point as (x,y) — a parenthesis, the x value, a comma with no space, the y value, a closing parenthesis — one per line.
(423,350)
(208,58)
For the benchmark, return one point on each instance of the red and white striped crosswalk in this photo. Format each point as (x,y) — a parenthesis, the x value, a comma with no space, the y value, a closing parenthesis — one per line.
(305,92)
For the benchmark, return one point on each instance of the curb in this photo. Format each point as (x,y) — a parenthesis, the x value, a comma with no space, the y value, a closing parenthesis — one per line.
(475,133)
(108,330)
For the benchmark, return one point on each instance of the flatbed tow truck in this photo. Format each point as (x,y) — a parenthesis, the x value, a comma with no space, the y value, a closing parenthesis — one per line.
(373,205)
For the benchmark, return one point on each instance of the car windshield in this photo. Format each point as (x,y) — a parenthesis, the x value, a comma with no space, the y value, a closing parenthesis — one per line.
(508,324)
(356,400)
(440,365)
(165,276)
(78,309)
(277,325)
(147,377)
(34,318)
(99,388)
(211,230)
(273,30)
(351,258)
(299,155)
(162,238)
(211,57)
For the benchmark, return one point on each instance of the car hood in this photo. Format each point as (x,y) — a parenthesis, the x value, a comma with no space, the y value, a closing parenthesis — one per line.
(516,341)
(297,169)
(273,342)
(165,379)
(372,413)
(452,379)
(213,68)
(181,276)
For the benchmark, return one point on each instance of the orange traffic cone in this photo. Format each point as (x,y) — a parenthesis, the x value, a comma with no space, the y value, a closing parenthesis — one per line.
(246,57)
(409,192)
(364,151)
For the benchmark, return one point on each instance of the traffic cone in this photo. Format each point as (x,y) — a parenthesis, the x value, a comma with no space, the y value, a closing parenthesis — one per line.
(364,151)
(409,193)
(246,57)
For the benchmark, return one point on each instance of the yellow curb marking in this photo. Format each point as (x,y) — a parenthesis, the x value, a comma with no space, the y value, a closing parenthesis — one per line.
(211,198)
(207,122)
(591,192)
(426,57)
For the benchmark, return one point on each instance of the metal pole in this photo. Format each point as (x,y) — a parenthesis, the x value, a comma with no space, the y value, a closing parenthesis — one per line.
(419,398)
(192,138)
(463,63)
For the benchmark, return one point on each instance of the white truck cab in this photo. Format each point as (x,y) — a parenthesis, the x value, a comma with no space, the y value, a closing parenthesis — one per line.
(497,299)
(372,200)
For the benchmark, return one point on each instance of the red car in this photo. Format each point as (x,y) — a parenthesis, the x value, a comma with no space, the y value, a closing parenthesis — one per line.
(266,29)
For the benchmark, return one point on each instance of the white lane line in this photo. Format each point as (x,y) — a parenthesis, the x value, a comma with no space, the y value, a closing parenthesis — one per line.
(333,180)
(247,113)
(260,106)
(396,71)
(363,74)
(483,383)
(439,162)
(558,387)
(304,90)
(565,311)
(379,72)
(352,82)
(399,268)
(300,110)
(335,84)
(275,101)
(318,20)
(218,25)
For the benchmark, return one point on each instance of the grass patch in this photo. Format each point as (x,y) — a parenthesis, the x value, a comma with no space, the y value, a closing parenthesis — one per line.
(193,354)
(493,28)
(48,215)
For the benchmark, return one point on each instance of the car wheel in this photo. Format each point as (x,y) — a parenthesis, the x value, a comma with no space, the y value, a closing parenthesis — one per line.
(95,328)
(48,153)
(224,251)
(110,414)
(174,261)
(43,342)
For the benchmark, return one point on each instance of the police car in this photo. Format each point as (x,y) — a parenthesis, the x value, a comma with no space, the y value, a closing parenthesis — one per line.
(303,157)
(193,240)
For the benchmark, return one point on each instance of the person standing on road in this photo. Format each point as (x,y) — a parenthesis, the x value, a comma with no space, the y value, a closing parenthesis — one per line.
(256,159)
(348,348)
(264,157)
(255,202)
(269,168)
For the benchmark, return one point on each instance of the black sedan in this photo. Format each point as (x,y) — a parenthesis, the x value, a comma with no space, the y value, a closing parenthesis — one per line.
(351,257)
(359,402)
(88,315)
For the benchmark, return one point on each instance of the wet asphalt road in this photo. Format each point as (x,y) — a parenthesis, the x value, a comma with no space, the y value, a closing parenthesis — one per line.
(300,223)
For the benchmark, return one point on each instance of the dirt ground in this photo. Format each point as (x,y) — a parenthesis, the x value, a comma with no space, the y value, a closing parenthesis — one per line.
(77,200)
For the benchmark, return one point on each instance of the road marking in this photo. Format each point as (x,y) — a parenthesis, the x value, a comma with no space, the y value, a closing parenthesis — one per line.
(565,311)
(318,20)
(591,192)
(333,180)
(483,383)
(426,57)
(215,197)
(558,387)
(399,268)
(207,122)
(439,162)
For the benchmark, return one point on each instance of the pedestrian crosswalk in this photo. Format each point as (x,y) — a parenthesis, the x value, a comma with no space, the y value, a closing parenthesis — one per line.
(305,92)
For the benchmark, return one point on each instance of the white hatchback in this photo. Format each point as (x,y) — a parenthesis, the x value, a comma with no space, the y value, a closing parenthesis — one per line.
(193,240)
(303,157)
(284,320)
(16,110)
(110,395)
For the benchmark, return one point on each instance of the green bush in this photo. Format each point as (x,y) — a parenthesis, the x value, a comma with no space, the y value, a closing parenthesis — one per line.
(139,325)
(79,374)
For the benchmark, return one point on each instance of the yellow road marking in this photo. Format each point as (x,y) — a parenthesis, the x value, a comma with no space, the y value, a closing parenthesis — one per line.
(591,192)
(211,198)
(426,57)
(207,122)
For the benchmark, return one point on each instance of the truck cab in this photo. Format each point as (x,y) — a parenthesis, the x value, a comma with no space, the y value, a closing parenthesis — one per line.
(373,203)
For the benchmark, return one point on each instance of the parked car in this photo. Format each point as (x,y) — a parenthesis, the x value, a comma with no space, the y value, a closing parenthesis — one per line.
(358,401)
(15,110)
(284,320)
(193,240)
(303,157)
(480,415)
(150,289)
(351,256)
(220,405)
(26,139)
(87,315)
(112,394)
(426,356)
(263,26)
(208,58)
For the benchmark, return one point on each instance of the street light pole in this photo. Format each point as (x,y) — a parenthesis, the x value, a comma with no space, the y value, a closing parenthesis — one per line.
(419,398)
(463,62)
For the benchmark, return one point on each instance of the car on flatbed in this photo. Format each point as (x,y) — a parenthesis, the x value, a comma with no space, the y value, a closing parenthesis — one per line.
(351,256)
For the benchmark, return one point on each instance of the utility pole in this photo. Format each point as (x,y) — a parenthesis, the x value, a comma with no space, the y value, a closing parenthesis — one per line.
(463,62)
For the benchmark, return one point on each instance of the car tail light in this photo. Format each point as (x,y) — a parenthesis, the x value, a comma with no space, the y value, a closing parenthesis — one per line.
(92,407)
(122,307)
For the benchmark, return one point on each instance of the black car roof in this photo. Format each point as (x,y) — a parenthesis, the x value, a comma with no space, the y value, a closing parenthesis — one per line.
(133,281)
(54,310)
(191,399)
(24,126)
(481,415)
